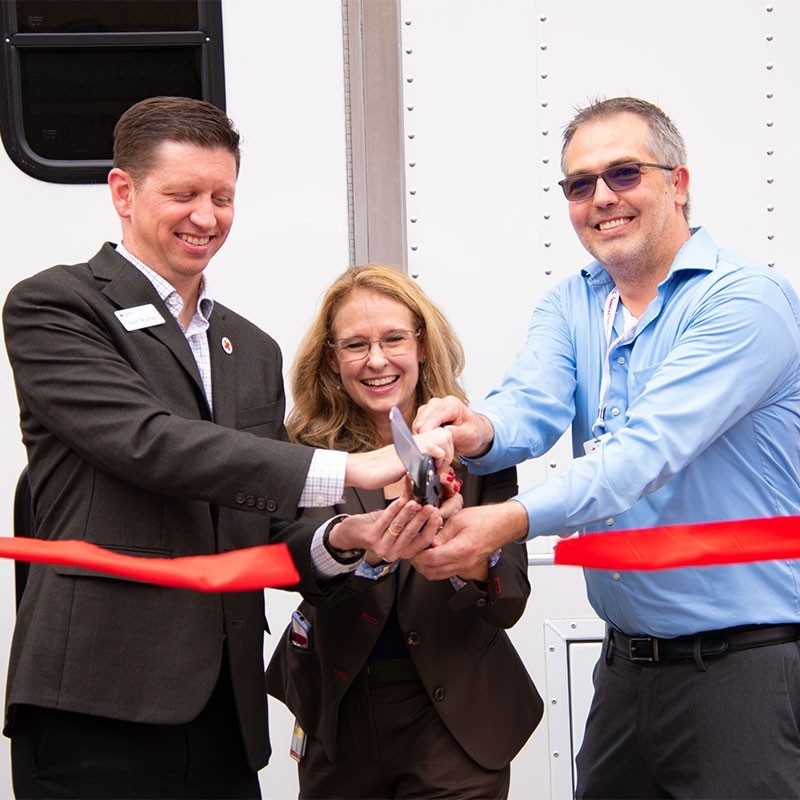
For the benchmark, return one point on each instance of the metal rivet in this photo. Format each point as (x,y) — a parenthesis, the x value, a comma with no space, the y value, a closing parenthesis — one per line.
(411,135)
(770,180)
(545,132)
(407,21)
(208,38)
(414,247)
(770,236)
(770,66)
(412,163)
(544,103)
(770,95)
(415,275)
(548,272)
(542,19)
(573,624)
(770,152)
(545,188)
(770,208)
(409,51)
(769,38)
(412,191)
(555,754)
(554,701)
(770,263)
(410,79)
(545,161)
(553,464)
(769,8)
(547,244)
(543,75)
(551,649)
(546,216)
(770,123)
(413,219)
(409,108)
(543,46)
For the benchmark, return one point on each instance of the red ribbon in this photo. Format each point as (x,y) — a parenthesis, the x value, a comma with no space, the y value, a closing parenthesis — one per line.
(236,571)
(699,545)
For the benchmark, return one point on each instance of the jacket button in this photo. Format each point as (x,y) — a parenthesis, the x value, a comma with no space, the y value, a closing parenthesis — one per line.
(261,503)
(412,640)
(480,602)
(239,498)
(251,501)
(271,505)
(439,694)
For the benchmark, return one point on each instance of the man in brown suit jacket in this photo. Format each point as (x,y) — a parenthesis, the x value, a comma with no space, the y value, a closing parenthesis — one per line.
(153,420)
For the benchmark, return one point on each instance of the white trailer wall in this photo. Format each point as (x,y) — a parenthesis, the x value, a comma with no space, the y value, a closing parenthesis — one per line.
(491,83)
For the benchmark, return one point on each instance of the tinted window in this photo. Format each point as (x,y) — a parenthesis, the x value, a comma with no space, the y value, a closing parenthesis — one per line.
(73,67)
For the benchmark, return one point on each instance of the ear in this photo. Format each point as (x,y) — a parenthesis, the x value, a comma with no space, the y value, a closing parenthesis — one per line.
(122,190)
(680,184)
(333,361)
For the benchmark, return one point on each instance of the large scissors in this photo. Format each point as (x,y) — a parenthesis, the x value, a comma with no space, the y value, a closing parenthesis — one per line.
(420,466)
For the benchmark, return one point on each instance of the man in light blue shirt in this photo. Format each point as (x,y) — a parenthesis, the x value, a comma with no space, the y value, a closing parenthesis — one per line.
(677,363)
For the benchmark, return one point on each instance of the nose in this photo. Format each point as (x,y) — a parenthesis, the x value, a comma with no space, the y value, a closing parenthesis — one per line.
(603,196)
(203,213)
(376,356)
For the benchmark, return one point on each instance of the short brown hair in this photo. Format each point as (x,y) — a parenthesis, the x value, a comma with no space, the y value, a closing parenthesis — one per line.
(323,414)
(151,122)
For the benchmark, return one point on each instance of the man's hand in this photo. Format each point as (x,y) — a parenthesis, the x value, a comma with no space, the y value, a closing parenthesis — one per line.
(472,433)
(401,530)
(379,468)
(468,538)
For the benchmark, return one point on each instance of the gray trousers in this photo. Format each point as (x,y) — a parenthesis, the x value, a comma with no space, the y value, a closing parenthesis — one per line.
(675,731)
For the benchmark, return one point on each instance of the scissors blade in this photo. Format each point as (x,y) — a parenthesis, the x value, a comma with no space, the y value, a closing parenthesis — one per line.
(419,465)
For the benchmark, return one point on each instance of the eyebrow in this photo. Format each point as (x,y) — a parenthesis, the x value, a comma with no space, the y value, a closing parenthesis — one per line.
(614,163)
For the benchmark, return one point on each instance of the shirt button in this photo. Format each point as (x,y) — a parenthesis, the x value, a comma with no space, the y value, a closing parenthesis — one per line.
(271,505)
(439,694)
(615,411)
(610,521)
(616,576)
(412,640)
(319,500)
(621,360)
(480,602)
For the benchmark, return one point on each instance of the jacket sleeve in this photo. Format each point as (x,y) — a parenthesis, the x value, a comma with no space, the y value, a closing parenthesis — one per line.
(501,600)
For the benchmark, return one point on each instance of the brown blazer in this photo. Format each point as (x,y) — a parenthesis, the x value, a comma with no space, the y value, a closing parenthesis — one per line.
(123,451)
(456,639)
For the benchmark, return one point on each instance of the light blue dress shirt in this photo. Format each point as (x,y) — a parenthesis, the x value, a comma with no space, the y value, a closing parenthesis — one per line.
(704,412)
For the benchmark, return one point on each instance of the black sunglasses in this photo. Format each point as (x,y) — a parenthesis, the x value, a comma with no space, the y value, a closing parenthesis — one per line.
(618,178)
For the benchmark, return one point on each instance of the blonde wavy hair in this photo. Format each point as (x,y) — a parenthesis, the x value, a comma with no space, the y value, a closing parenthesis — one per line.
(323,414)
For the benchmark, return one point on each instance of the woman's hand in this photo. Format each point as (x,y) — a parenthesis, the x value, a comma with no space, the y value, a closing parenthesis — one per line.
(400,531)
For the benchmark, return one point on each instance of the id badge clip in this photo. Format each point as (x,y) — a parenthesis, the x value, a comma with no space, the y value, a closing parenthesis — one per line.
(595,443)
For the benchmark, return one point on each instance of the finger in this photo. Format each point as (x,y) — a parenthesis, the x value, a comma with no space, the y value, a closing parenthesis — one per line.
(451,505)
(417,533)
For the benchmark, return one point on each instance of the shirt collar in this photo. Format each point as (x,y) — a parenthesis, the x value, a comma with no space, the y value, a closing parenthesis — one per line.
(697,253)
(205,303)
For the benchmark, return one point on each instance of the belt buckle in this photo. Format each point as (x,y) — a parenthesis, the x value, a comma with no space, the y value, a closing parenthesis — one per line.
(635,642)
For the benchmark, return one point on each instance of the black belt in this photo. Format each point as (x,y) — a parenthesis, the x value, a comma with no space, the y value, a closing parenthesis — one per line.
(697,648)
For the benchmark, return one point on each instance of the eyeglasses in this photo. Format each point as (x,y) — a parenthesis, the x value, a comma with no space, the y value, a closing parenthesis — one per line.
(394,343)
(618,178)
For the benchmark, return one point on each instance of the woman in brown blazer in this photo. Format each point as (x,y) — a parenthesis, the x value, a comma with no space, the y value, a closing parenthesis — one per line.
(401,687)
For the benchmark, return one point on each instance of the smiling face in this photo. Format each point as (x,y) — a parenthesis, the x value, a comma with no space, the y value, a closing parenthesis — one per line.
(178,214)
(377,382)
(635,234)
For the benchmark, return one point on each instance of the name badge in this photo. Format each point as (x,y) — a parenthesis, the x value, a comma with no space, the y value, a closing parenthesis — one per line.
(595,443)
(133,319)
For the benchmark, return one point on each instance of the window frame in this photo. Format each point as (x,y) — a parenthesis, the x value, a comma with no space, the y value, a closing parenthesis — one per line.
(212,81)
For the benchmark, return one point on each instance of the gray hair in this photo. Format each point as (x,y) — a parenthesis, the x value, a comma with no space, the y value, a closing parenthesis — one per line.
(664,140)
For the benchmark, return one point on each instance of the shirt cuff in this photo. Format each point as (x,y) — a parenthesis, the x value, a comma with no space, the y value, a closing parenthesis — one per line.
(325,566)
(459,583)
(324,484)
(372,573)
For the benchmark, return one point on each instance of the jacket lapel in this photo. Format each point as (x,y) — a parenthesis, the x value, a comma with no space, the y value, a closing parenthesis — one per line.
(127,288)
(223,368)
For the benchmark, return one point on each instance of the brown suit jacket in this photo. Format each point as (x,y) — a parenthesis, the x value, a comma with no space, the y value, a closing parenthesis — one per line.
(124,451)
(456,639)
